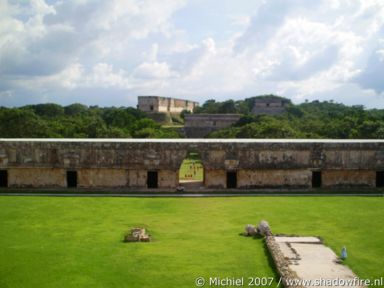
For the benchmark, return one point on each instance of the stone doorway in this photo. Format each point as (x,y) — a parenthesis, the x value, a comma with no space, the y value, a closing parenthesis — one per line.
(316,179)
(3,178)
(231,179)
(71,179)
(152,179)
(191,172)
(379,179)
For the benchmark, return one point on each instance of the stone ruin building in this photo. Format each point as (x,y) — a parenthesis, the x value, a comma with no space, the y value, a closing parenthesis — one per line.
(270,105)
(158,104)
(150,164)
(200,125)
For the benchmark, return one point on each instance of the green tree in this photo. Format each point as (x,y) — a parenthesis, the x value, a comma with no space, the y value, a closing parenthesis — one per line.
(16,123)
(75,109)
(49,110)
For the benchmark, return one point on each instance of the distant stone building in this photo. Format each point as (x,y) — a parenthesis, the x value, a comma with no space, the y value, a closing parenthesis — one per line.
(270,105)
(200,125)
(164,104)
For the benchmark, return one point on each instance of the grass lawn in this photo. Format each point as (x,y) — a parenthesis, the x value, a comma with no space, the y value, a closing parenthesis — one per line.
(77,242)
(191,170)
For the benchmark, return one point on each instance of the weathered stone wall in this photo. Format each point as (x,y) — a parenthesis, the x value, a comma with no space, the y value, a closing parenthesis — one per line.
(290,178)
(282,266)
(41,177)
(215,178)
(102,177)
(269,106)
(345,178)
(124,163)
(200,125)
(137,178)
(168,179)
(164,104)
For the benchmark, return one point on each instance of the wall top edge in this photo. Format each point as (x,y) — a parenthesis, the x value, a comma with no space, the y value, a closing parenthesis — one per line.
(119,140)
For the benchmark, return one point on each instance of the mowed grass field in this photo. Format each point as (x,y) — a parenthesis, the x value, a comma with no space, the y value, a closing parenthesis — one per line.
(191,170)
(77,242)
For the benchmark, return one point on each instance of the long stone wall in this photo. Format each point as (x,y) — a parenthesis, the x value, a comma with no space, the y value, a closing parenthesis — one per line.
(125,163)
(165,104)
(200,125)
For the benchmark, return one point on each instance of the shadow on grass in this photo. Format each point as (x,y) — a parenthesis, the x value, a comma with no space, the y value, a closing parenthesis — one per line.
(269,258)
(267,254)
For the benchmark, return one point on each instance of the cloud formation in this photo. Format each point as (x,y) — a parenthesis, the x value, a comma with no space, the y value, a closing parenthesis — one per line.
(108,52)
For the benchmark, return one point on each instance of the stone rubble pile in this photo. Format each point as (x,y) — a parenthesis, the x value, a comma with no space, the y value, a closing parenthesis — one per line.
(282,265)
(137,234)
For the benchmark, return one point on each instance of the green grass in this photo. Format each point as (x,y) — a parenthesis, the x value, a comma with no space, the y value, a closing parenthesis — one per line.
(77,242)
(191,170)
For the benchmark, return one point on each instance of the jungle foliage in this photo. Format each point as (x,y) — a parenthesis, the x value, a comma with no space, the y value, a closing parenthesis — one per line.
(314,119)
(78,121)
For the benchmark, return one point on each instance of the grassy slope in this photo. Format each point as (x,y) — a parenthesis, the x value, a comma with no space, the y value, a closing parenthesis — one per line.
(76,242)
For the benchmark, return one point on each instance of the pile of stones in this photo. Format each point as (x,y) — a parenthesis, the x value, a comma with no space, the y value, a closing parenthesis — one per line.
(262,229)
(282,265)
(137,234)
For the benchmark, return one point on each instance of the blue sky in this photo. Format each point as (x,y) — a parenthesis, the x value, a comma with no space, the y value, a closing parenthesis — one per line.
(108,52)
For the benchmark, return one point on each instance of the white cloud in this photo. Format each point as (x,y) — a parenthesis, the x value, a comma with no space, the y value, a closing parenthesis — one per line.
(149,70)
(68,78)
(300,49)
(241,20)
(104,76)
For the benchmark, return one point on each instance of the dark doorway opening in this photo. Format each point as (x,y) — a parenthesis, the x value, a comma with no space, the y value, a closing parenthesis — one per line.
(231,179)
(71,179)
(152,179)
(316,179)
(3,178)
(379,179)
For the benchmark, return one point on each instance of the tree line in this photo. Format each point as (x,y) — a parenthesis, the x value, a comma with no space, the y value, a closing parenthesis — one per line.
(314,119)
(78,121)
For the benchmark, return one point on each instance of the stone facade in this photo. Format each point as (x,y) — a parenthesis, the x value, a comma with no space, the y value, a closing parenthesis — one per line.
(200,125)
(153,104)
(270,106)
(118,163)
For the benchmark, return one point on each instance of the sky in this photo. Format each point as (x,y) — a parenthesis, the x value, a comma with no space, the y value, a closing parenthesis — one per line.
(106,53)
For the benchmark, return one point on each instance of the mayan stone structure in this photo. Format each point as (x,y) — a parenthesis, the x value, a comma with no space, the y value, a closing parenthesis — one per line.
(157,104)
(200,125)
(150,163)
(270,106)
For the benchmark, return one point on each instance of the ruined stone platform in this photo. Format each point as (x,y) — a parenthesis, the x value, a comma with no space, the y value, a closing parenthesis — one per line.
(137,234)
(311,260)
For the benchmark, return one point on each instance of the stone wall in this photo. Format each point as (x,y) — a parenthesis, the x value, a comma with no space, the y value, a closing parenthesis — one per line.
(345,178)
(168,178)
(165,104)
(200,125)
(270,106)
(289,178)
(137,178)
(41,177)
(281,263)
(215,178)
(102,177)
(258,163)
